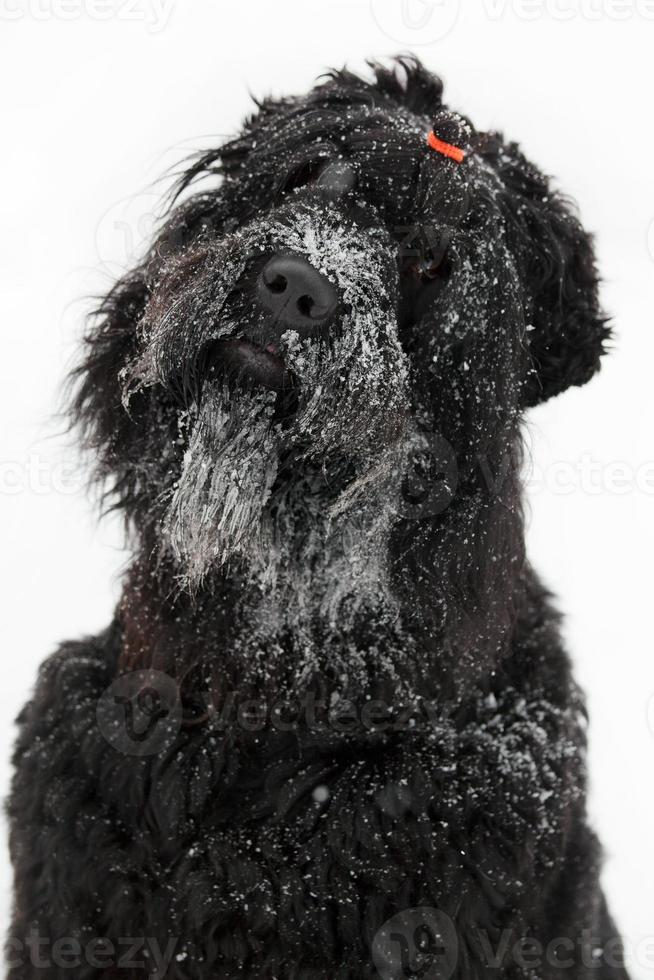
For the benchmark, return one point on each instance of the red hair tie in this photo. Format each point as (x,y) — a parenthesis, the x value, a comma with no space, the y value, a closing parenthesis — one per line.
(453,152)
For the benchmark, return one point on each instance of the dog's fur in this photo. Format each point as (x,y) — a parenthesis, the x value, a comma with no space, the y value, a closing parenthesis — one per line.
(347,552)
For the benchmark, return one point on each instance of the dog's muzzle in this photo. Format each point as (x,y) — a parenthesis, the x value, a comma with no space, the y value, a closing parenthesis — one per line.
(294,296)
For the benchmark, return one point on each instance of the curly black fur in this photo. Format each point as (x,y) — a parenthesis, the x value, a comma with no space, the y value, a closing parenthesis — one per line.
(331,538)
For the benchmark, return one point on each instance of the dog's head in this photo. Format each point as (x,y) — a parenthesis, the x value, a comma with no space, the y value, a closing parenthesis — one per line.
(345,296)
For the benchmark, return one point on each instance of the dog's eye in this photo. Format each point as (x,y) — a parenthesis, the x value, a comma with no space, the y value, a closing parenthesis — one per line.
(304,174)
(337,179)
(422,280)
(426,270)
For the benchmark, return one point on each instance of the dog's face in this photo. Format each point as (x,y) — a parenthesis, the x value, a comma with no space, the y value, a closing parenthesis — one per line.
(298,339)
(281,343)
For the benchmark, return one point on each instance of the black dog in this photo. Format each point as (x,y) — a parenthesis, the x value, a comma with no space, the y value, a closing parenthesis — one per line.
(332,731)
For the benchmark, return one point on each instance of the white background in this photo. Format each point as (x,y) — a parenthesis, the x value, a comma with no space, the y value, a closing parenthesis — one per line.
(99,97)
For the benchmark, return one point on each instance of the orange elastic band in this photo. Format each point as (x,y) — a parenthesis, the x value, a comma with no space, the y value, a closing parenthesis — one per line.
(453,152)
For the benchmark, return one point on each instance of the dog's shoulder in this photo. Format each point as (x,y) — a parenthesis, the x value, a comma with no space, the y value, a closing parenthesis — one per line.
(73,673)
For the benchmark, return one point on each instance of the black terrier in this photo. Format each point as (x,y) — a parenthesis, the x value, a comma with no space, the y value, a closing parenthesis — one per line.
(332,731)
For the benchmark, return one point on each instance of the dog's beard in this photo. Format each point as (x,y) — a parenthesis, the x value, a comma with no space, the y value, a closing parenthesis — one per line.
(216,511)
(341,455)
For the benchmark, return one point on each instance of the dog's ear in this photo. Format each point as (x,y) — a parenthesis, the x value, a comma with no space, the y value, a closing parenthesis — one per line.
(566,328)
(96,408)
(109,429)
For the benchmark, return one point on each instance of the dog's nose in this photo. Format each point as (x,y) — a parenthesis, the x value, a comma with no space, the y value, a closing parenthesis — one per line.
(296,293)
